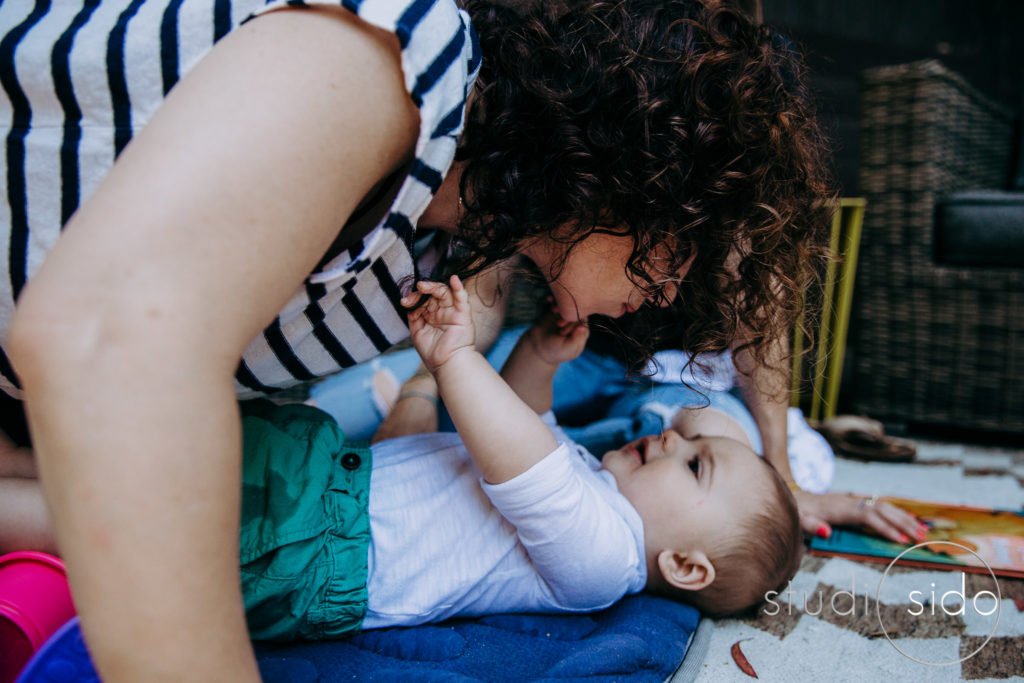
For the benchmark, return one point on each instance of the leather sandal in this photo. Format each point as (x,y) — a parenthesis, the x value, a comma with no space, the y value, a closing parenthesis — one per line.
(862,438)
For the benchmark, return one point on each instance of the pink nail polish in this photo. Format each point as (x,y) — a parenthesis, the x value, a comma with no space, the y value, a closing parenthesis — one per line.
(823,531)
(904,538)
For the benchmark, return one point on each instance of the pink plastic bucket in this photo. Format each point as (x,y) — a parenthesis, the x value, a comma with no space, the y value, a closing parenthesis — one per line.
(35,600)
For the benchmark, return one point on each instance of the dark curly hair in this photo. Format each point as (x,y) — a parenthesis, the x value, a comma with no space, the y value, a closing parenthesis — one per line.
(677,123)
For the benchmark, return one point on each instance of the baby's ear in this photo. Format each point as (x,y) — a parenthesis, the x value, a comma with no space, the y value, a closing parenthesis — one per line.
(690,571)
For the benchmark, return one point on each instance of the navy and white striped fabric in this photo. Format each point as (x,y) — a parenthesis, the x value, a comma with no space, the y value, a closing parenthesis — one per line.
(77,80)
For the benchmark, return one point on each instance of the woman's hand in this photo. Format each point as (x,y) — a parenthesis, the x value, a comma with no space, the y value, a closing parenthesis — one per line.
(819,512)
(443,325)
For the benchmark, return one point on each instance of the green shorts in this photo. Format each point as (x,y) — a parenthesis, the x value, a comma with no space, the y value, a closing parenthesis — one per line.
(305,529)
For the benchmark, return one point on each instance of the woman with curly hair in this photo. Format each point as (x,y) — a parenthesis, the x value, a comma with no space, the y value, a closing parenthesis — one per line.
(213,200)
(732,166)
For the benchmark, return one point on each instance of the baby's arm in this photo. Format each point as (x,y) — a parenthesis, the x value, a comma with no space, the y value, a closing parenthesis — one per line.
(503,435)
(530,368)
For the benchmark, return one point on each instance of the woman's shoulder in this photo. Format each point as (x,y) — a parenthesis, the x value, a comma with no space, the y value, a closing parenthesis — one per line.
(439,50)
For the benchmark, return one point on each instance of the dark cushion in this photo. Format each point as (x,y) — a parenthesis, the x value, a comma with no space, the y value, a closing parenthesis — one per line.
(980,228)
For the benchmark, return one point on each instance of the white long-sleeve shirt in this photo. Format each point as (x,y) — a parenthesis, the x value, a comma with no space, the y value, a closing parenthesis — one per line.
(558,537)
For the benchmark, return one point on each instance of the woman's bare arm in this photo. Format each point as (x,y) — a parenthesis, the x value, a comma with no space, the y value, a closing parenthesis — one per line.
(127,339)
(765,390)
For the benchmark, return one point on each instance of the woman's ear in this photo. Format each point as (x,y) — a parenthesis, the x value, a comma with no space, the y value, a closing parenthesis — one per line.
(691,571)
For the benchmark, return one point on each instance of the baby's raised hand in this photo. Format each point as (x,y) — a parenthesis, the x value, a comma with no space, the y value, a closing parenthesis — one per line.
(556,340)
(443,325)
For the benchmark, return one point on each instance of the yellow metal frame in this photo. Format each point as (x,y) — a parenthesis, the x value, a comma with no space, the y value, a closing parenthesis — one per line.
(837,299)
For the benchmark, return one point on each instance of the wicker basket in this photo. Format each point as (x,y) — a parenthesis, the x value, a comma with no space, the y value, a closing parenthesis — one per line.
(934,343)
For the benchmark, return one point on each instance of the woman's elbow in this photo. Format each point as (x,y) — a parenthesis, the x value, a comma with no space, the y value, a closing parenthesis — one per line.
(51,344)
(52,352)
(34,337)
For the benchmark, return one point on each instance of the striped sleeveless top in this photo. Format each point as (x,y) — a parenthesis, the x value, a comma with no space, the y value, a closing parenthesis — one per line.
(78,79)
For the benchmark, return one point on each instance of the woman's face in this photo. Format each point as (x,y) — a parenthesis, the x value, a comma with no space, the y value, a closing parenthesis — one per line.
(593,279)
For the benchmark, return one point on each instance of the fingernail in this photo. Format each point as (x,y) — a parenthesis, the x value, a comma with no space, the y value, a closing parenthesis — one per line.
(923,527)
(921,533)
(904,538)
(823,531)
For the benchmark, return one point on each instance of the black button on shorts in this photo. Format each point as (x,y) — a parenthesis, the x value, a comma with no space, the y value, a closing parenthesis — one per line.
(351,461)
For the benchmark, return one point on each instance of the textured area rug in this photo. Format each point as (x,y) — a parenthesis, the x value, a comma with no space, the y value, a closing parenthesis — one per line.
(842,620)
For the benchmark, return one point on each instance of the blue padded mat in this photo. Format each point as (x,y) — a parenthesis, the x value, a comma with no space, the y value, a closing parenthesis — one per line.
(639,639)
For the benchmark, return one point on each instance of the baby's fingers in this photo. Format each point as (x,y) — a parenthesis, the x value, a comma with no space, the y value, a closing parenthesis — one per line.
(437,291)
(411,299)
(431,288)
(458,291)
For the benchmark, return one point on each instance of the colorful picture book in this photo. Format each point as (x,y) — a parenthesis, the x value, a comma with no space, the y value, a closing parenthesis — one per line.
(996,538)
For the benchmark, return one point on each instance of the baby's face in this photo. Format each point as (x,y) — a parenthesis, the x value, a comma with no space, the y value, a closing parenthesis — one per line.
(688,492)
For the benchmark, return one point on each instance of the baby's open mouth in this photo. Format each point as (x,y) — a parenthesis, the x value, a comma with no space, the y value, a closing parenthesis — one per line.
(641,449)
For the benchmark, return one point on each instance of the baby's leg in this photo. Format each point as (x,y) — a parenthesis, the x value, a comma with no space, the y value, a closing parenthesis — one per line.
(415,411)
(693,422)
(16,461)
(24,519)
(643,409)
(691,412)
(360,397)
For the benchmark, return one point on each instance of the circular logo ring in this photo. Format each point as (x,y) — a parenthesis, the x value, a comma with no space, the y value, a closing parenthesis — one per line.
(999,603)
